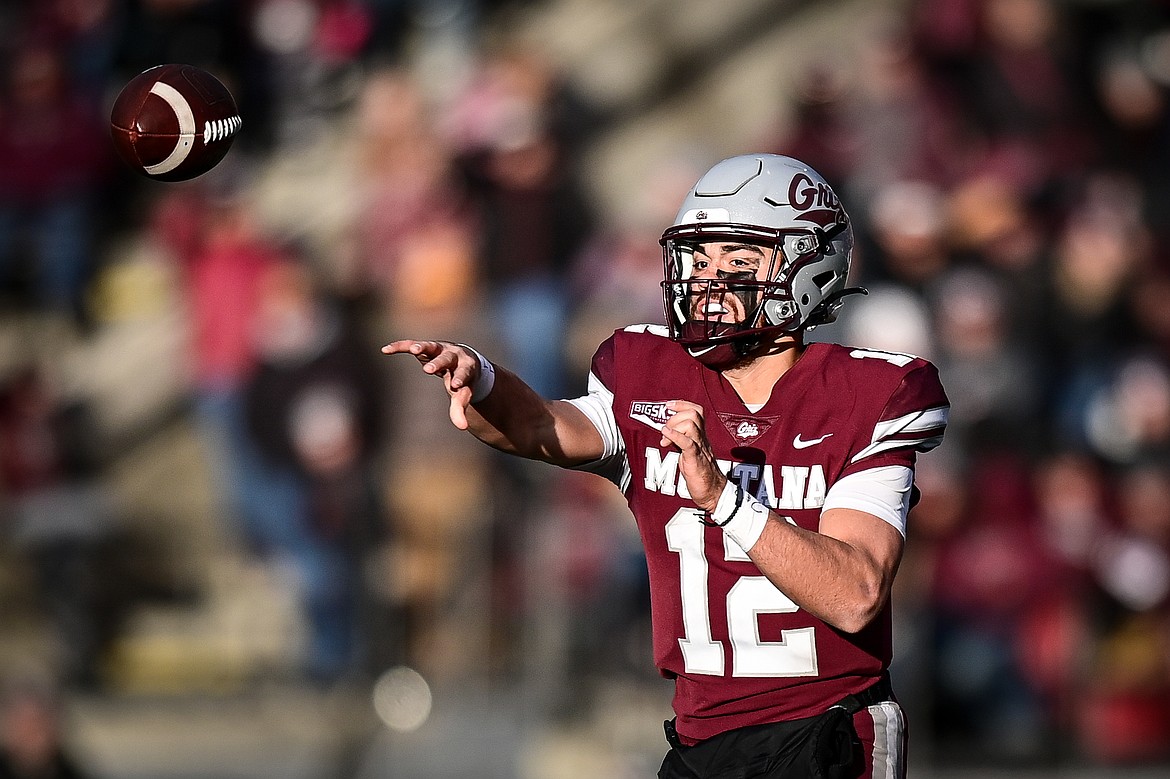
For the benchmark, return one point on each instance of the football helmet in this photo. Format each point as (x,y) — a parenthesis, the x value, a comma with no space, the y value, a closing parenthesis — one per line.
(790,212)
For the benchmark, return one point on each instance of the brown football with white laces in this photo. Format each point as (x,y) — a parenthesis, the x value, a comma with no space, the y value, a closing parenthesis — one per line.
(174,122)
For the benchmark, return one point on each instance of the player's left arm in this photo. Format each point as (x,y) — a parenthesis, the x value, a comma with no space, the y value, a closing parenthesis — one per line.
(842,573)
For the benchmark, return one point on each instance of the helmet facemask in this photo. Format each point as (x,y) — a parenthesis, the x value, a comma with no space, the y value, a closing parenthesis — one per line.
(720,319)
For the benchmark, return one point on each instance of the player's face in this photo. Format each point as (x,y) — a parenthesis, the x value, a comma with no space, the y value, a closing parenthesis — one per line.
(726,262)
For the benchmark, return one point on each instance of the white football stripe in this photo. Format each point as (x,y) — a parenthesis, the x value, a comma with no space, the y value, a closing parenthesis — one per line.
(186,118)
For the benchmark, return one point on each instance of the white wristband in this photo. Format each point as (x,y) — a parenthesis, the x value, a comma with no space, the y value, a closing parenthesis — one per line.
(741,516)
(487,377)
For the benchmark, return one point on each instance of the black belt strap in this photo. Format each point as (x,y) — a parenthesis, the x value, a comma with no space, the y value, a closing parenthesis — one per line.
(877,692)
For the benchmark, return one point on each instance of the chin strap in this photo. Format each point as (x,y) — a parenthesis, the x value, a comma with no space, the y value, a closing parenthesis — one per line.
(819,317)
(831,299)
(745,346)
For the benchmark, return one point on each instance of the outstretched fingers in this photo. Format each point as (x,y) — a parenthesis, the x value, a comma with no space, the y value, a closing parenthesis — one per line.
(438,358)
(456,364)
(410,346)
(424,351)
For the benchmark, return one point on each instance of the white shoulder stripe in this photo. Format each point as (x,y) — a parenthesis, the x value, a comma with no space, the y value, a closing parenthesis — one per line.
(921,430)
(920,444)
(915,422)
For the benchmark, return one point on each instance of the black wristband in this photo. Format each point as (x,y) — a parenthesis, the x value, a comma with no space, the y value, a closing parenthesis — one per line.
(709,521)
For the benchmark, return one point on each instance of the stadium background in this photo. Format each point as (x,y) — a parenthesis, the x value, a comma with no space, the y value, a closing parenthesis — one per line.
(234,542)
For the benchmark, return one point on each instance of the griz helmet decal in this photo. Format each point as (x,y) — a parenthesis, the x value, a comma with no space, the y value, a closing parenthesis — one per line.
(805,246)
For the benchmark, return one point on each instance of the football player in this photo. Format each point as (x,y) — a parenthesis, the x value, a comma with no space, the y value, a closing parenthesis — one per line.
(770,478)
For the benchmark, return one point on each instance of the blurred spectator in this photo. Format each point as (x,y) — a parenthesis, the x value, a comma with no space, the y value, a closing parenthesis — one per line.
(1100,248)
(908,230)
(416,229)
(314,408)
(87,33)
(589,567)
(906,126)
(1072,510)
(517,129)
(1022,90)
(1125,716)
(52,159)
(31,739)
(1124,415)
(615,279)
(1134,564)
(1135,137)
(306,64)
(940,513)
(990,571)
(890,318)
(1058,630)
(223,255)
(820,133)
(62,513)
(991,378)
(995,223)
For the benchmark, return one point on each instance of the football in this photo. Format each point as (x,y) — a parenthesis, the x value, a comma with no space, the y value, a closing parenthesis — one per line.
(174,122)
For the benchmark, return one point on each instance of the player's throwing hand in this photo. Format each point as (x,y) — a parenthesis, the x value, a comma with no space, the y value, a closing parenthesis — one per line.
(458,366)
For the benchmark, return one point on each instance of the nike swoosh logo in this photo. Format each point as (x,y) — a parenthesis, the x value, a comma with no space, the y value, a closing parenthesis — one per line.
(797,443)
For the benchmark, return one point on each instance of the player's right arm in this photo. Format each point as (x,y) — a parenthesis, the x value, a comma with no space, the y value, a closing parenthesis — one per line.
(512,417)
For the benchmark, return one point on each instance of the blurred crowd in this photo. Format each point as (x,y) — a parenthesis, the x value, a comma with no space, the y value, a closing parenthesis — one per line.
(406,171)
(1005,160)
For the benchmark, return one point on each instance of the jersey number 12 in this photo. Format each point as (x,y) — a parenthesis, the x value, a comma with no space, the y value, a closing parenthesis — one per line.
(795,654)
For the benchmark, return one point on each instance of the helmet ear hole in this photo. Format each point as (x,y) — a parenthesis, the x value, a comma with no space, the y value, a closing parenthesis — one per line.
(805,299)
(824,280)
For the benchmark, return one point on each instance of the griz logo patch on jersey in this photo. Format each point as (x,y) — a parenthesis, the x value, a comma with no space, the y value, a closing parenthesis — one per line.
(650,412)
(745,429)
(798,486)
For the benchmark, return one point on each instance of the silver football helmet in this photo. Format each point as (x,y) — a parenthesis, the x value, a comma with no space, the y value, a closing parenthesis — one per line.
(789,211)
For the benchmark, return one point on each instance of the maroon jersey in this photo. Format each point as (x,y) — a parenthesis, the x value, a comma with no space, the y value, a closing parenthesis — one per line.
(740,651)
